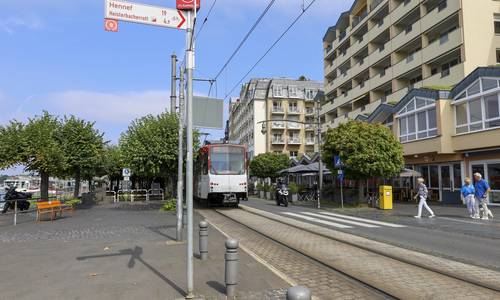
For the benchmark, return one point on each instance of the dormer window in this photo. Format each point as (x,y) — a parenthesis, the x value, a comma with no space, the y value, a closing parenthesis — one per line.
(277,90)
(417,120)
(292,91)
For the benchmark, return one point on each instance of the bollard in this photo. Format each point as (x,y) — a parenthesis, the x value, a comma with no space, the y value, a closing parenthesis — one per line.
(298,292)
(203,240)
(231,267)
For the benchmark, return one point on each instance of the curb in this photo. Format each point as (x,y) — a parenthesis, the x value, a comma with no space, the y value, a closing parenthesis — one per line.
(385,250)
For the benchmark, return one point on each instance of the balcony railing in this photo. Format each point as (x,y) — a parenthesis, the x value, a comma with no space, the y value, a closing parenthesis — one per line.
(278,125)
(309,111)
(293,110)
(294,140)
(375,4)
(278,140)
(309,126)
(278,109)
(292,125)
(358,19)
(310,141)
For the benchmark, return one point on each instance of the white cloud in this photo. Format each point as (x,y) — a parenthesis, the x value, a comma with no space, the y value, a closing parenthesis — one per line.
(11,24)
(105,107)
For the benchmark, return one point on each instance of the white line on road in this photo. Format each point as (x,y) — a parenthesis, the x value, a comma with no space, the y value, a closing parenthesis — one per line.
(477,222)
(316,220)
(342,220)
(364,220)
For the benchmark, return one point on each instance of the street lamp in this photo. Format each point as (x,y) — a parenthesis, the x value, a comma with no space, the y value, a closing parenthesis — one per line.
(320,163)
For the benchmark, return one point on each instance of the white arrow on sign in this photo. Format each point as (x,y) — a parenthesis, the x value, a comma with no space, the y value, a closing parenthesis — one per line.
(144,14)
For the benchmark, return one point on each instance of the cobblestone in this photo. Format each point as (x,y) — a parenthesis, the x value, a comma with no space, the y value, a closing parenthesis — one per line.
(394,277)
(323,282)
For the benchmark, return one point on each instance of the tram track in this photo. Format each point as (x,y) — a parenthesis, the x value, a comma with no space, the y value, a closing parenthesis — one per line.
(385,274)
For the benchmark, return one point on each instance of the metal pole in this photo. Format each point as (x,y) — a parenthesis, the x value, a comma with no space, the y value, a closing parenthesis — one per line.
(15,212)
(173,85)
(180,158)
(189,156)
(320,163)
(341,194)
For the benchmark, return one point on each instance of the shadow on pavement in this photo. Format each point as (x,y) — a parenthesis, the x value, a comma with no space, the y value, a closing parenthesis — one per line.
(219,287)
(135,255)
(158,230)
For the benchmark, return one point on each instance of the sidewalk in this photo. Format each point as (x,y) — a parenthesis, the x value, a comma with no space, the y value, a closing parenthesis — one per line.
(118,251)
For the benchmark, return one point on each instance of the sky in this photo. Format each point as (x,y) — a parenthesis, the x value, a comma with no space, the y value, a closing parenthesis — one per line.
(55,55)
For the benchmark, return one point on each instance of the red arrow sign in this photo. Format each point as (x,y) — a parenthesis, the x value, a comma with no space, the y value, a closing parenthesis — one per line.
(183,20)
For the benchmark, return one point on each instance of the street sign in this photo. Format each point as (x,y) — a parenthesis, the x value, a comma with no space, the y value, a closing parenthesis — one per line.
(126,178)
(338,162)
(208,112)
(144,14)
(111,25)
(340,175)
(187,4)
(126,172)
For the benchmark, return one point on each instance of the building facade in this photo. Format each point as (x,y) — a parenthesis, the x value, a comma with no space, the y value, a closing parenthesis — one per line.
(448,135)
(258,118)
(379,50)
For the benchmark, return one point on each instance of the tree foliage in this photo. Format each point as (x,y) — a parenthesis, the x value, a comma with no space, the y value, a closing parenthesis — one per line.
(149,146)
(267,165)
(366,150)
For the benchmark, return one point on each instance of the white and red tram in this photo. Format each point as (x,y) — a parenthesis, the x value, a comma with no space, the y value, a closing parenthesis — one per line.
(221,174)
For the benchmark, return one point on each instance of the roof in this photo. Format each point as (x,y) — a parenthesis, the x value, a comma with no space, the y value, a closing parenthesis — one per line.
(424,93)
(477,73)
(310,168)
(383,110)
(331,32)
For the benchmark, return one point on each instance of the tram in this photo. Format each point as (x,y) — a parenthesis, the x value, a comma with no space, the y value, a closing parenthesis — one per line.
(220,174)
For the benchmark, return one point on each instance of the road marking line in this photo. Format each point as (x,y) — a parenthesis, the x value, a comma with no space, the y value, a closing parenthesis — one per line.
(342,220)
(479,222)
(363,220)
(316,220)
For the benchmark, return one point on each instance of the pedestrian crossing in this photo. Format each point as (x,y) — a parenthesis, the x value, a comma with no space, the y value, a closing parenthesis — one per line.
(340,220)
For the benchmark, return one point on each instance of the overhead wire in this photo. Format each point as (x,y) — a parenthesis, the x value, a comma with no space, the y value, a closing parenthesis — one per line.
(304,10)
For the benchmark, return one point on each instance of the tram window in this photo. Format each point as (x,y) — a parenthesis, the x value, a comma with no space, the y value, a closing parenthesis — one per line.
(205,164)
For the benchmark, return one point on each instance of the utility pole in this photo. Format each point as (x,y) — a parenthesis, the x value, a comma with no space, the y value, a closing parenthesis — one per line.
(320,163)
(180,158)
(173,84)
(191,16)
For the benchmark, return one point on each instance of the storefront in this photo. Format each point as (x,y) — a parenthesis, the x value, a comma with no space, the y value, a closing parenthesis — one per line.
(490,169)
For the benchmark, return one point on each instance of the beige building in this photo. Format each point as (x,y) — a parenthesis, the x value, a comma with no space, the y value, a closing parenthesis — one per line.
(448,135)
(257,118)
(381,49)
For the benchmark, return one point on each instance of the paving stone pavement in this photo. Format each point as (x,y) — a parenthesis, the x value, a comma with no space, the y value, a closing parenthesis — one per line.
(118,251)
(324,282)
(464,271)
(394,277)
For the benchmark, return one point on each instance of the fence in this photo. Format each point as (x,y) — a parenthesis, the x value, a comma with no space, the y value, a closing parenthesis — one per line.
(138,195)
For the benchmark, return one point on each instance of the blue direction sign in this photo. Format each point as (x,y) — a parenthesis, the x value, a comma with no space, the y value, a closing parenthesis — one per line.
(338,162)
(340,175)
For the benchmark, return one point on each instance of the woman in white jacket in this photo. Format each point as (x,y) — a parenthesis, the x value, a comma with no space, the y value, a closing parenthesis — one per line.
(422,196)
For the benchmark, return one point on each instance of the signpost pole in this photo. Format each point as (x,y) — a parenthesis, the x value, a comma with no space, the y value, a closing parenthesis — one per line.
(173,92)
(189,146)
(320,163)
(180,158)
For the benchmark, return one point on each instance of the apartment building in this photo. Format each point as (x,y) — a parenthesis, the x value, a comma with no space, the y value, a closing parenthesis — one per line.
(381,49)
(260,117)
(448,135)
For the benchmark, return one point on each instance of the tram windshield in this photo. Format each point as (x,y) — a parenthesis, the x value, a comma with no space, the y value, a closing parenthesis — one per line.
(227,160)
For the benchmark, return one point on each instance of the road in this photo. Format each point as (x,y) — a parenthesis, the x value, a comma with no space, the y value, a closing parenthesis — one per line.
(450,235)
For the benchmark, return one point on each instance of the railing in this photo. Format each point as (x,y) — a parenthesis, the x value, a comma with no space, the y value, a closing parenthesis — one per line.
(374,4)
(278,141)
(293,110)
(278,124)
(309,111)
(293,125)
(278,109)
(293,141)
(310,141)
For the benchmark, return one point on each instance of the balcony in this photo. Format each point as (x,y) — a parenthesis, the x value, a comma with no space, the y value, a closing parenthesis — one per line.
(360,90)
(381,79)
(294,141)
(379,28)
(442,45)
(456,73)
(439,14)
(407,64)
(309,111)
(278,125)
(380,53)
(403,9)
(309,127)
(310,141)
(294,126)
(278,110)
(406,36)
(293,110)
(278,141)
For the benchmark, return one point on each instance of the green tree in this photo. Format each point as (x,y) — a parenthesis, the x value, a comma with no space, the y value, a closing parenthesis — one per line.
(11,141)
(112,163)
(83,147)
(366,150)
(3,178)
(267,165)
(149,147)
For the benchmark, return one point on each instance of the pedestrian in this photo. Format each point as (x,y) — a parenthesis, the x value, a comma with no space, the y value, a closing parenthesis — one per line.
(422,194)
(482,189)
(468,197)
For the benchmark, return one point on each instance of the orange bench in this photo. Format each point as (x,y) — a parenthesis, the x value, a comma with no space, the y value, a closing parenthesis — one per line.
(52,208)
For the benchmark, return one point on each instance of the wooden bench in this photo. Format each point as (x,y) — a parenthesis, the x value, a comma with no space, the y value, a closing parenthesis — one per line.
(52,207)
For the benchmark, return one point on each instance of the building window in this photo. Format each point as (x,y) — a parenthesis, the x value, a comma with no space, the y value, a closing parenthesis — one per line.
(310,94)
(457,176)
(498,56)
(292,91)
(294,153)
(475,112)
(277,90)
(417,120)
(497,26)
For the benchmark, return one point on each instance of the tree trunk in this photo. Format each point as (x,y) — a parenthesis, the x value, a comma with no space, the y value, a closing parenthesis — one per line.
(76,192)
(361,191)
(44,186)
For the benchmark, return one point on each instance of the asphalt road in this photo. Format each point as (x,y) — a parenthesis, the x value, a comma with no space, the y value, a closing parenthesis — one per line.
(451,234)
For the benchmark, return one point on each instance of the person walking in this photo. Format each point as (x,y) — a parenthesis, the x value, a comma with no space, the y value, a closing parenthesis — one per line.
(467,192)
(422,196)
(482,189)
